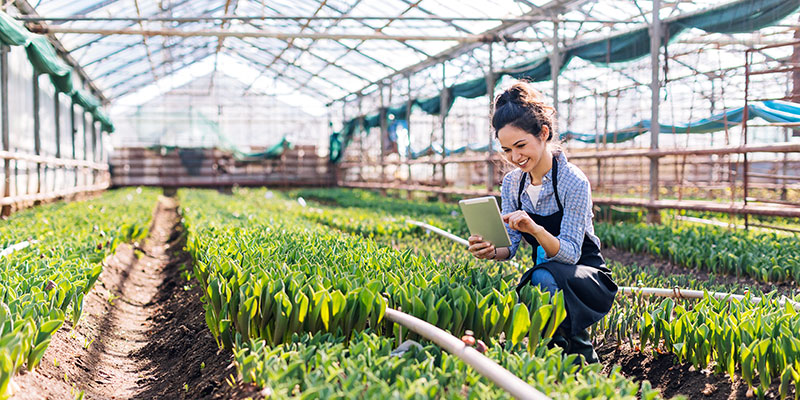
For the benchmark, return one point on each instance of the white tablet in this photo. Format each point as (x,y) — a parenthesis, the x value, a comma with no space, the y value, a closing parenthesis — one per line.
(483,219)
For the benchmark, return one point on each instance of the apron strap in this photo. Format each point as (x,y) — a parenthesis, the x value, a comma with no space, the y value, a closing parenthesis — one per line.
(555,183)
(521,189)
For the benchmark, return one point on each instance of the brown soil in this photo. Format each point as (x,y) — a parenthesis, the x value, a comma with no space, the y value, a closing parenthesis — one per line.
(668,268)
(673,379)
(143,333)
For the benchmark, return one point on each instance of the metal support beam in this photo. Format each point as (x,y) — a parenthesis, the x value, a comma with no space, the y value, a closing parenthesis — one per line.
(443,114)
(5,210)
(274,34)
(173,6)
(490,83)
(555,67)
(501,31)
(409,106)
(653,215)
(246,18)
(384,134)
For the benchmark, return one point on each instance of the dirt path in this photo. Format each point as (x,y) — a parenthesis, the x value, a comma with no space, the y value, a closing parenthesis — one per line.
(143,332)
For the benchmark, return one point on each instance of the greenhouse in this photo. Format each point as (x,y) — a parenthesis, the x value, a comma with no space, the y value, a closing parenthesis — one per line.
(402,199)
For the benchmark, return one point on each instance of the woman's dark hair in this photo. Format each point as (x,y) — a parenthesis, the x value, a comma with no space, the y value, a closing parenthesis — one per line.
(523,107)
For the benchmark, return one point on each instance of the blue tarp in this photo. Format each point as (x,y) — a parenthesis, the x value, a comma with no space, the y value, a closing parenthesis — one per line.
(770,111)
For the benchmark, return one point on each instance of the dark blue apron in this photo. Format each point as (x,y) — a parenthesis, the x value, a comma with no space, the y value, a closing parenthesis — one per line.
(588,288)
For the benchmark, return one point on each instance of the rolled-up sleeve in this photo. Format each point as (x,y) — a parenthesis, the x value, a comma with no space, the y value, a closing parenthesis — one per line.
(509,198)
(577,202)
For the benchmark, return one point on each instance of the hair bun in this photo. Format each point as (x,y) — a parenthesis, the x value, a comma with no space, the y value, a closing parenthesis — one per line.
(523,106)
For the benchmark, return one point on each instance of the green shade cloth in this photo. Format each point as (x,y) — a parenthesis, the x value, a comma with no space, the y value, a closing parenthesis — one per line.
(63,83)
(398,112)
(272,152)
(340,140)
(45,60)
(85,100)
(105,122)
(535,70)
(433,105)
(43,57)
(470,89)
(741,16)
(372,121)
(12,33)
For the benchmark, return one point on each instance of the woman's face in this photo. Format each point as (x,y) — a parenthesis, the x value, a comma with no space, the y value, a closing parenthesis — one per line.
(522,148)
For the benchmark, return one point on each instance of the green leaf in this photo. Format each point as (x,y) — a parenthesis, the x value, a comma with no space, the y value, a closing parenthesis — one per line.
(520,324)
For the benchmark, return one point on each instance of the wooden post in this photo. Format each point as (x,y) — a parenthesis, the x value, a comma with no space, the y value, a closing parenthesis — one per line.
(653,215)
(37,127)
(5,211)
(490,83)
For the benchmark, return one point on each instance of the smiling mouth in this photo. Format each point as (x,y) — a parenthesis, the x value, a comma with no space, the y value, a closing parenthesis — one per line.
(524,163)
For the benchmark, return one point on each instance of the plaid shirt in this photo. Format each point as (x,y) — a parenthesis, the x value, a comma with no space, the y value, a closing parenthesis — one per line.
(576,198)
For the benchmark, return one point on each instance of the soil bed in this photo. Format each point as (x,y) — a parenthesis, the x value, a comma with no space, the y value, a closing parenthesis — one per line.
(674,379)
(143,333)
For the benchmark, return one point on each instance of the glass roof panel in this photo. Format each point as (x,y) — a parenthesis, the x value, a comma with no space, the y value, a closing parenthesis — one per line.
(340,64)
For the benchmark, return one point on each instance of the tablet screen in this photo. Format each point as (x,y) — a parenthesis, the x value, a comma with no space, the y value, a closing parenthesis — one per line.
(483,218)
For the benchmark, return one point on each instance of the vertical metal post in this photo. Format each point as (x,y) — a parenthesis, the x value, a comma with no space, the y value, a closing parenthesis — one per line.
(490,83)
(57,114)
(409,104)
(361,139)
(72,132)
(85,134)
(384,129)
(555,66)
(37,127)
(5,211)
(443,114)
(85,146)
(94,140)
(745,116)
(653,215)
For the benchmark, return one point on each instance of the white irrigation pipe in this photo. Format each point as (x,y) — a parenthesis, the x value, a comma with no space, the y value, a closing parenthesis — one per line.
(15,247)
(484,365)
(439,231)
(676,292)
(447,235)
